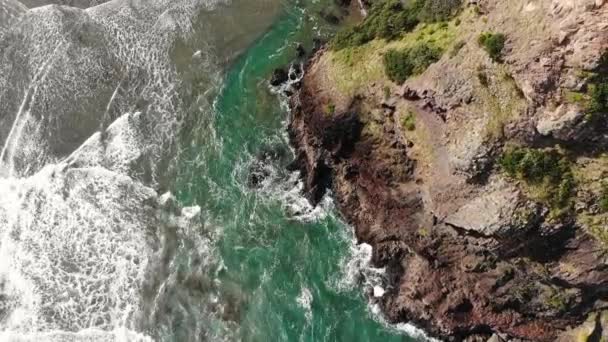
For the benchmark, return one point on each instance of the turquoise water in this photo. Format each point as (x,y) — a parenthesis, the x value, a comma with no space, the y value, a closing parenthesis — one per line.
(287,273)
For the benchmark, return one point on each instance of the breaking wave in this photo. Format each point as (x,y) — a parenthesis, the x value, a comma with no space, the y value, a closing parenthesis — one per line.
(93,100)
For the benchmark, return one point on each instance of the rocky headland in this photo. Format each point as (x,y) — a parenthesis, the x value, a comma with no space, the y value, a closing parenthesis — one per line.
(466,142)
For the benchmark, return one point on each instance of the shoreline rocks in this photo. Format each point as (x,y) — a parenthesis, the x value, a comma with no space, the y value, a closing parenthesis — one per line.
(470,256)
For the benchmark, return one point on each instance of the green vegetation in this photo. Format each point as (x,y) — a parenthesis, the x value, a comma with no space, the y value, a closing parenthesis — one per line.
(438,10)
(594,99)
(388,19)
(330,109)
(482,76)
(557,300)
(598,95)
(399,65)
(548,171)
(603,200)
(409,121)
(387,92)
(493,43)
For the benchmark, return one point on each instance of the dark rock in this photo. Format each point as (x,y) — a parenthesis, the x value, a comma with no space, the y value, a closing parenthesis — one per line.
(317,44)
(342,3)
(300,51)
(330,17)
(257,174)
(279,76)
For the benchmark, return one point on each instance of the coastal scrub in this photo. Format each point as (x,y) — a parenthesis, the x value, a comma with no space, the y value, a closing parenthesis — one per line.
(493,43)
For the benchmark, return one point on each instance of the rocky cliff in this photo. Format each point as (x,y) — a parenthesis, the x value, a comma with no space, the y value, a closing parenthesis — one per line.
(479,180)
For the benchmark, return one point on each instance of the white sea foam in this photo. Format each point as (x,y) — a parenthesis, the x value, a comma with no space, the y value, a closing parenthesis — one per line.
(357,272)
(79,231)
(304,300)
(120,334)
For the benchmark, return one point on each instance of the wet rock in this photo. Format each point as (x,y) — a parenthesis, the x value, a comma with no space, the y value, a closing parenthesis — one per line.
(257,174)
(300,51)
(342,3)
(317,44)
(279,76)
(330,17)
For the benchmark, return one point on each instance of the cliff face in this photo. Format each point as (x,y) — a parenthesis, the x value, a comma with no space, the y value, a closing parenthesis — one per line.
(422,169)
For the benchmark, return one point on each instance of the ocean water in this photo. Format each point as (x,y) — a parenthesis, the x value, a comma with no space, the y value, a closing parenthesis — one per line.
(129,133)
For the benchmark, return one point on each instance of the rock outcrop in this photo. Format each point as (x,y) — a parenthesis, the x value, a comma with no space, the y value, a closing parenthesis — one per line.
(470,251)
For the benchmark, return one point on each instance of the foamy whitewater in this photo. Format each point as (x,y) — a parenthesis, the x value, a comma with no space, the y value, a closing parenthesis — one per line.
(88,121)
(106,106)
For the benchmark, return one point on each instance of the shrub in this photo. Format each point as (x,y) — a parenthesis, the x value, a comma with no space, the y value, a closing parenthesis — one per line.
(387,92)
(409,121)
(482,76)
(399,65)
(594,99)
(330,109)
(603,202)
(545,168)
(598,93)
(439,10)
(493,43)
(388,19)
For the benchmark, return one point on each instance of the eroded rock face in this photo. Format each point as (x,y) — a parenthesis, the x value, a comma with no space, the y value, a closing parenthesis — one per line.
(469,252)
(499,210)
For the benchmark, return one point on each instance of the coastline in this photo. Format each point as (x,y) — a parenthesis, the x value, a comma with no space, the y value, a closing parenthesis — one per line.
(468,252)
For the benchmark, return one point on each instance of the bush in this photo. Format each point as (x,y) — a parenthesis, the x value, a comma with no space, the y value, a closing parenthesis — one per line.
(388,19)
(546,168)
(594,99)
(439,10)
(493,43)
(604,197)
(482,76)
(399,65)
(409,121)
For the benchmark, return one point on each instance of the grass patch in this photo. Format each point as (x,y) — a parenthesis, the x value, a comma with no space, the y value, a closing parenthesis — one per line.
(399,65)
(596,225)
(330,109)
(493,43)
(557,300)
(577,97)
(351,68)
(548,173)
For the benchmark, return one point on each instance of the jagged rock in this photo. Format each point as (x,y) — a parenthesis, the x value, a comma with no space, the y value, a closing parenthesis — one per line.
(330,17)
(565,123)
(300,51)
(464,250)
(499,210)
(279,76)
